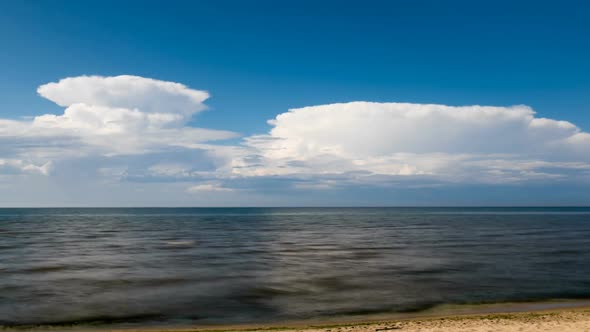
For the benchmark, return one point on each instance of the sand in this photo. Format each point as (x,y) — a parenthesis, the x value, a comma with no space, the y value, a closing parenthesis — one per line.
(565,320)
(560,320)
(523,322)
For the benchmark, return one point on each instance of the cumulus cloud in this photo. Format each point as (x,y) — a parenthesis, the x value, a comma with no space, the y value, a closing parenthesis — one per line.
(453,144)
(125,114)
(134,132)
(108,116)
(126,92)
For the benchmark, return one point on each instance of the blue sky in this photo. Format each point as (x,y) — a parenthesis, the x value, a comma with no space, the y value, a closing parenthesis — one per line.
(259,59)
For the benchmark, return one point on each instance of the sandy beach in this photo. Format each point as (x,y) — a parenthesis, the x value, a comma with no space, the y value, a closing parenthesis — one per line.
(560,320)
(522,322)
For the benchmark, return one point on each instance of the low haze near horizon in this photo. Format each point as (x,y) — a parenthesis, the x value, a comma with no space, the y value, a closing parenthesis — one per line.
(233,103)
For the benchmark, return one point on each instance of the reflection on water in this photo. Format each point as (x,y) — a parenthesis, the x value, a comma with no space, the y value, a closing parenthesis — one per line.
(260,265)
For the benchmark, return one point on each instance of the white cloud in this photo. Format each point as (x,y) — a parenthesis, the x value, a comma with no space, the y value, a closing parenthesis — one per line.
(470,144)
(125,114)
(15,166)
(108,116)
(208,187)
(126,92)
(131,135)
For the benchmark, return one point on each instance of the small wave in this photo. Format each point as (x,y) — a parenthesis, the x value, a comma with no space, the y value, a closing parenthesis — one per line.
(89,320)
(385,309)
(43,269)
(141,282)
(418,307)
(180,244)
(266,292)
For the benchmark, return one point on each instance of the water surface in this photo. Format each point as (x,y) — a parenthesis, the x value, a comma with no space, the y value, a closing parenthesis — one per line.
(202,266)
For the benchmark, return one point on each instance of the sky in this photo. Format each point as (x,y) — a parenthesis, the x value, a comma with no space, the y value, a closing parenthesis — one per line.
(294,103)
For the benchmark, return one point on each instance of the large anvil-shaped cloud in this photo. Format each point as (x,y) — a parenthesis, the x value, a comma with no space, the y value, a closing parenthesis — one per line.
(108,116)
(126,92)
(459,144)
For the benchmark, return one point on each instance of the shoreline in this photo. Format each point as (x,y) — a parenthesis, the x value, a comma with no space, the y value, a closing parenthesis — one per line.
(444,311)
(519,314)
(564,319)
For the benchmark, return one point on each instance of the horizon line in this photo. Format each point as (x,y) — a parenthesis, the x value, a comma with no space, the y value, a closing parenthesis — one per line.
(296,207)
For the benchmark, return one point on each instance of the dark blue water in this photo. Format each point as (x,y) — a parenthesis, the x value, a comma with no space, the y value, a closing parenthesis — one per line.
(61,266)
